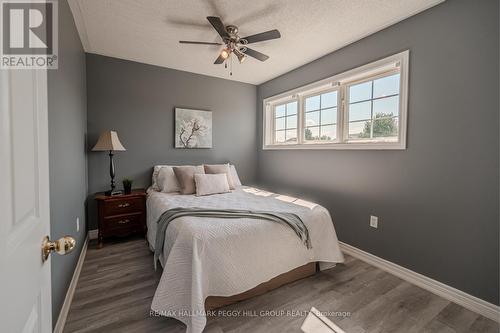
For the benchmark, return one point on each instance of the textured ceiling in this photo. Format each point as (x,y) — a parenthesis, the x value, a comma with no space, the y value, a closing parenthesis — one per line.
(148,31)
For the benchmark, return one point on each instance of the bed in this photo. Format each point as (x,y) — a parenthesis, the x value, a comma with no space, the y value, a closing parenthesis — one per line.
(210,262)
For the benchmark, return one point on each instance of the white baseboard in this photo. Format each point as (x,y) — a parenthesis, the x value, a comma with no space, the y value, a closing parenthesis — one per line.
(63,314)
(93,234)
(454,295)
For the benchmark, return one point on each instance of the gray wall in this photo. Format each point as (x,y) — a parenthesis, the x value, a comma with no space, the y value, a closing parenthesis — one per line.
(68,165)
(438,200)
(138,101)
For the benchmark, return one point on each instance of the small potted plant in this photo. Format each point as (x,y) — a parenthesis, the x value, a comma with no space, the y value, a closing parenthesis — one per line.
(127,185)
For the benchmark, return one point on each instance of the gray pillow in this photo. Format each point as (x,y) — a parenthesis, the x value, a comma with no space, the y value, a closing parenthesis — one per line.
(185,177)
(220,168)
(211,184)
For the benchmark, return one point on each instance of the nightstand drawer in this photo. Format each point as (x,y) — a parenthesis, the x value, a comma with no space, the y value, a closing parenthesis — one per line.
(123,221)
(123,206)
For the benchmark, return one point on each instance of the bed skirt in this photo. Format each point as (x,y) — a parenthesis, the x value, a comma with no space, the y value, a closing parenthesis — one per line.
(301,272)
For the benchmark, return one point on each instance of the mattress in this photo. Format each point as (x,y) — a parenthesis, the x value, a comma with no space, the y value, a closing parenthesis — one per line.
(222,257)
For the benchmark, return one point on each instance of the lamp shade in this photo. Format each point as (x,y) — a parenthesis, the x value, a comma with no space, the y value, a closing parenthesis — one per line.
(108,141)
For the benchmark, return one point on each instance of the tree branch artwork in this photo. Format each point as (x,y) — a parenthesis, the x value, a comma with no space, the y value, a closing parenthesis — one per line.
(190,131)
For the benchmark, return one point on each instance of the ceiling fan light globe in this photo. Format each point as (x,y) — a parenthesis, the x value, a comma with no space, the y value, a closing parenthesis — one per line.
(241,58)
(240,55)
(224,53)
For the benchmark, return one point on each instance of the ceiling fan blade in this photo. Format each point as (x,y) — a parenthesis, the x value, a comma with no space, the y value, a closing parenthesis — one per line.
(256,54)
(219,60)
(271,34)
(200,43)
(216,22)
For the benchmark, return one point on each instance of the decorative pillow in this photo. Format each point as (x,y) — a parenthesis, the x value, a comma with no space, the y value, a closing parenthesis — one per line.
(207,184)
(234,175)
(154,178)
(167,181)
(155,184)
(220,168)
(185,177)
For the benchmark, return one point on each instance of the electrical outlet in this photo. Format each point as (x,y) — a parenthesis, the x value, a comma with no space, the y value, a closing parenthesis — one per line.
(77,224)
(373,221)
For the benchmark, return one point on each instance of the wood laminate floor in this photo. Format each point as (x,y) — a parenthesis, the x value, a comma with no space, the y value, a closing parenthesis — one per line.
(117,284)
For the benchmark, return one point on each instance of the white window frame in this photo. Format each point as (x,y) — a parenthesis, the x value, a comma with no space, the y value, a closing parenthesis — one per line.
(396,63)
(273,116)
(303,101)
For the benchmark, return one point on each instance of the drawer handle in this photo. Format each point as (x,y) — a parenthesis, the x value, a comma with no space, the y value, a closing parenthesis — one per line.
(123,221)
(123,205)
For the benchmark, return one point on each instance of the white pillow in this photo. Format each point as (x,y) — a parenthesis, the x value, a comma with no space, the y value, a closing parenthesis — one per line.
(220,168)
(207,184)
(234,175)
(167,181)
(154,178)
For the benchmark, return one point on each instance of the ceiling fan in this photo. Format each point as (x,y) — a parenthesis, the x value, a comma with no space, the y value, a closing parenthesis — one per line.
(234,44)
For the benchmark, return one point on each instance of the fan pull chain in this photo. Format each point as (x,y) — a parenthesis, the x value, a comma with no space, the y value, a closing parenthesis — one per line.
(231,67)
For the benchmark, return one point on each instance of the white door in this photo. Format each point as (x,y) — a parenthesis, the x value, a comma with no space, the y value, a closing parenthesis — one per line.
(25,295)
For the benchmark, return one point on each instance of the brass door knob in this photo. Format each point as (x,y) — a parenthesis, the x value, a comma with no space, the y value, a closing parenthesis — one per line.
(62,246)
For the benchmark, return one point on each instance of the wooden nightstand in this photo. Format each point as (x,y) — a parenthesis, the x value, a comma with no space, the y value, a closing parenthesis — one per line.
(121,215)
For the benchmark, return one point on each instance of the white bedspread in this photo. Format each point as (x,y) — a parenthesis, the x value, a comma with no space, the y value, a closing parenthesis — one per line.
(222,257)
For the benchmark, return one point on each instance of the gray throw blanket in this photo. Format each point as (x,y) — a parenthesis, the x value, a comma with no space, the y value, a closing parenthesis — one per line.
(290,219)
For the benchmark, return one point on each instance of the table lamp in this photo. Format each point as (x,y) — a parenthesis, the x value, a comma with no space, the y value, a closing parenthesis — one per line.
(108,141)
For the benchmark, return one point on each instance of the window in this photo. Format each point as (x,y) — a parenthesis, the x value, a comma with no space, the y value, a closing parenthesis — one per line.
(285,123)
(373,109)
(321,117)
(364,108)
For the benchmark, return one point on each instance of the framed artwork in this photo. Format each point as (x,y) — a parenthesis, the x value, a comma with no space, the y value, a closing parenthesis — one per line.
(193,128)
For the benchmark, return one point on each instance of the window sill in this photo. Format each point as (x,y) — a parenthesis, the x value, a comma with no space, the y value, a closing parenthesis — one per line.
(339,146)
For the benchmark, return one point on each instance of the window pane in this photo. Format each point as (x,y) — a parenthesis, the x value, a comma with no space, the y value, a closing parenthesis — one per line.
(360,92)
(279,123)
(291,135)
(312,133)
(329,100)
(360,111)
(360,129)
(386,107)
(385,127)
(312,118)
(328,133)
(280,136)
(279,111)
(386,86)
(291,122)
(312,103)
(329,116)
(291,108)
